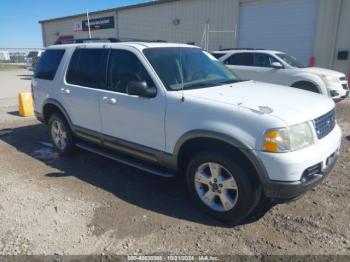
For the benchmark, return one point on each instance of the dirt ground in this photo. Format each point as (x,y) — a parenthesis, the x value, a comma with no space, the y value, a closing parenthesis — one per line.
(86,204)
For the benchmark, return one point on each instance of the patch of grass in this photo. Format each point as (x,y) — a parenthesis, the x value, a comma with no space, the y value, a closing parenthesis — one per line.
(8,67)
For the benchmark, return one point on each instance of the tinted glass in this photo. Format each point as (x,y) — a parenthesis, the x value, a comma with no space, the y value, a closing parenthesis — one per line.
(243,59)
(263,60)
(73,66)
(88,68)
(291,60)
(32,54)
(124,67)
(188,68)
(48,64)
(218,55)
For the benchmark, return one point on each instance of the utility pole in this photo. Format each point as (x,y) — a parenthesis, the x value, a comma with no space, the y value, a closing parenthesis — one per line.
(88,20)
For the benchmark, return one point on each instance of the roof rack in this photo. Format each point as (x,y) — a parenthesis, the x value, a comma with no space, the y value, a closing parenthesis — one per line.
(104,40)
(141,40)
(241,48)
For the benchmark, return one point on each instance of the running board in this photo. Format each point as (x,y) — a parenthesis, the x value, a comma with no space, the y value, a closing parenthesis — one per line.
(127,161)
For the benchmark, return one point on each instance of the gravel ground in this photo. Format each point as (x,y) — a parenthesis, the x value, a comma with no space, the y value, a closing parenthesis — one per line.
(86,204)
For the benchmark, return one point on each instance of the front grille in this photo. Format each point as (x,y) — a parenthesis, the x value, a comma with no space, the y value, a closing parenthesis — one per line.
(342,78)
(325,124)
(345,86)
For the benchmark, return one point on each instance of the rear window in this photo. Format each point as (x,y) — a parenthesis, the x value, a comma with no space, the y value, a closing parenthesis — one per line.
(88,68)
(48,64)
(218,55)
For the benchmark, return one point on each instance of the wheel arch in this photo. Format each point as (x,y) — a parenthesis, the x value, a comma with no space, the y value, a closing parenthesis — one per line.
(310,79)
(53,106)
(197,140)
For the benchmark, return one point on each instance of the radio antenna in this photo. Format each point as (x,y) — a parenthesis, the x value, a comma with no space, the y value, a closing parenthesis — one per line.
(182,78)
(88,21)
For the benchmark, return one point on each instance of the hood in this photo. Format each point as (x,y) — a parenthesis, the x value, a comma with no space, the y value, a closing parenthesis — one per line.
(322,71)
(289,104)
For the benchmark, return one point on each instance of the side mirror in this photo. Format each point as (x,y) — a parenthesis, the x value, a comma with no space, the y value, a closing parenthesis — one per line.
(141,89)
(277,65)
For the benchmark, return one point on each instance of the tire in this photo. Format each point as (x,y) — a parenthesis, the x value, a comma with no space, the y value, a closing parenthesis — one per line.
(307,86)
(61,134)
(241,201)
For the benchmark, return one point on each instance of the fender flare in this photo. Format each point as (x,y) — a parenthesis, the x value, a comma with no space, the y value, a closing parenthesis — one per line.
(247,151)
(60,107)
(313,79)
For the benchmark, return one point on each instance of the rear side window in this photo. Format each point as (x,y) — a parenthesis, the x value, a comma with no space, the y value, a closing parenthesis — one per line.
(48,64)
(263,60)
(243,59)
(88,68)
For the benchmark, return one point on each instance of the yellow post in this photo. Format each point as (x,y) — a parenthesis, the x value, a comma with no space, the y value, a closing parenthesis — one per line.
(25,102)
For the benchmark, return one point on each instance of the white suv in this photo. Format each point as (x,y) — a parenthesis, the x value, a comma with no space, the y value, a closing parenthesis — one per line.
(173,109)
(279,68)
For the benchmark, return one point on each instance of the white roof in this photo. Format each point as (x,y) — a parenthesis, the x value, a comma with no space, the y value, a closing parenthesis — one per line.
(233,51)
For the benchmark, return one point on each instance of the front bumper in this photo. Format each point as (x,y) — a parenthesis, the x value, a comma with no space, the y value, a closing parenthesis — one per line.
(292,174)
(281,190)
(341,98)
(338,92)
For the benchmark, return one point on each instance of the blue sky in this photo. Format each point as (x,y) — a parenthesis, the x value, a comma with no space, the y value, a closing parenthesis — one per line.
(19,25)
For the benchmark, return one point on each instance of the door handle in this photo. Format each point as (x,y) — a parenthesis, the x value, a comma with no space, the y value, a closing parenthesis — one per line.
(108,100)
(112,101)
(65,91)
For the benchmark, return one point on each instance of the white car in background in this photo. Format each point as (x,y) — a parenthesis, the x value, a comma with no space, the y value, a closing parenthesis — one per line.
(32,59)
(279,68)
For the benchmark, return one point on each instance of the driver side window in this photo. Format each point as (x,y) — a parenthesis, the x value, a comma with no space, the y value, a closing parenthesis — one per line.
(124,66)
(263,60)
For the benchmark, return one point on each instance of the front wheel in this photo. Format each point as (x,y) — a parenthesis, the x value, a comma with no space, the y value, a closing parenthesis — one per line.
(221,187)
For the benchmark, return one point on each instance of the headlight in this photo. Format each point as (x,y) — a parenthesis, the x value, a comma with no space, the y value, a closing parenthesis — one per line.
(288,139)
(330,79)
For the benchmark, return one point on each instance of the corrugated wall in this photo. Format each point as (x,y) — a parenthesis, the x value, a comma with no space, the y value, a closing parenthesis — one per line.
(182,21)
(333,34)
(343,38)
(53,29)
(178,21)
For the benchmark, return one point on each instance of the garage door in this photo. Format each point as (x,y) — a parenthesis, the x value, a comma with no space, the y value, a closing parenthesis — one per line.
(283,25)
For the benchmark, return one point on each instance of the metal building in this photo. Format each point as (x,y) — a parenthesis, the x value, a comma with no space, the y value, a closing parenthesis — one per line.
(311,30)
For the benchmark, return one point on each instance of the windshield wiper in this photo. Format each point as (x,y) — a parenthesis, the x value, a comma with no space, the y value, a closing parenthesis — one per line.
(231,81)
(193,86)
(210,84)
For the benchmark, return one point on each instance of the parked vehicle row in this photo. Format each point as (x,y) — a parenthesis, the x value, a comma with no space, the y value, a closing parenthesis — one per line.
(280,68)
(172,109)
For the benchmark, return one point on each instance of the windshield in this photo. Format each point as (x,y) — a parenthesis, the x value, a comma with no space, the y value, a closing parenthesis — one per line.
(188,68)
(291,60)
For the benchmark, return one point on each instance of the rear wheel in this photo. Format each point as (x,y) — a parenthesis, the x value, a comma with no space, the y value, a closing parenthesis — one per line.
(306,86)
(61,134)
(221,187)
